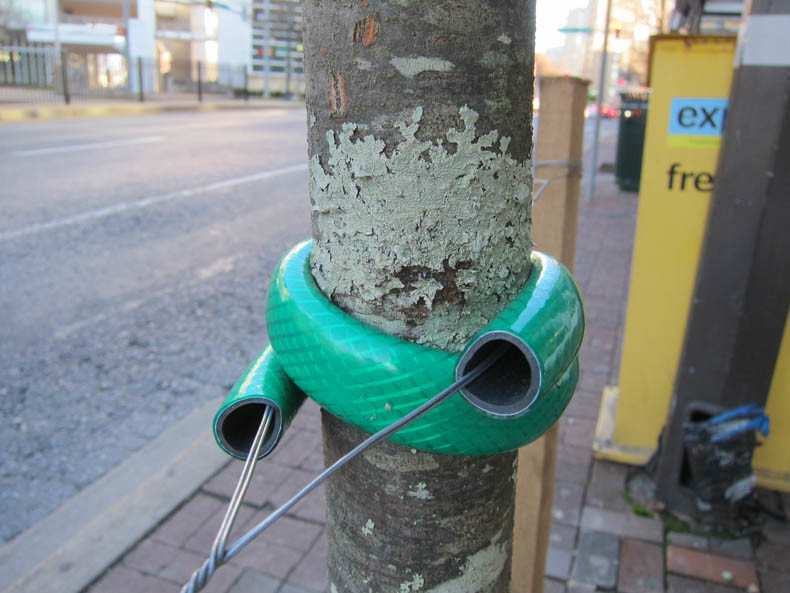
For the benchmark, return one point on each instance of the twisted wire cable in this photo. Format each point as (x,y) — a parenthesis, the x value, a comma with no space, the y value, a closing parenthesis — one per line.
(219,555)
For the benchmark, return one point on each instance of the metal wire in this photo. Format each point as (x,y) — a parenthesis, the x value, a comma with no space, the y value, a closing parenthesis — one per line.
(572,166)
(201,576)
(219,555)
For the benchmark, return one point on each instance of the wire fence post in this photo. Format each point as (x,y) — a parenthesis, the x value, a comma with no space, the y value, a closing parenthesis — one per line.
(140,93)
(199,81)
(64,75)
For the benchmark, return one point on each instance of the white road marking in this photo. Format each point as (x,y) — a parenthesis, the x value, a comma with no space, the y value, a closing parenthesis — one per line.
(91,215)
(88,146)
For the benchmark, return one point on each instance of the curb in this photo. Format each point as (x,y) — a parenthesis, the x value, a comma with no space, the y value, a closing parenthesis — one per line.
(71,548)
(44,112)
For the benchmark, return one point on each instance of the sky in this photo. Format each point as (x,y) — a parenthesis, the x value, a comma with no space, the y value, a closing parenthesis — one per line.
(551,15)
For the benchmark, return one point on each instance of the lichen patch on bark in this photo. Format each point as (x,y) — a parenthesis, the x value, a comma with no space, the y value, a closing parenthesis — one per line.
(481,219)
(480,570)
(412,66)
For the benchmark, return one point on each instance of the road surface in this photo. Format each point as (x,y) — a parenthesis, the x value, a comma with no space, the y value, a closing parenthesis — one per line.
(134,260)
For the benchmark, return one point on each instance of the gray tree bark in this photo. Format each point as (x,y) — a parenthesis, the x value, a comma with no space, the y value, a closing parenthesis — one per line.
(420,137)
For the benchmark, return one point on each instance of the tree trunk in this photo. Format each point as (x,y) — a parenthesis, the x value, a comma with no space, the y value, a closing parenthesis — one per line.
(420,135)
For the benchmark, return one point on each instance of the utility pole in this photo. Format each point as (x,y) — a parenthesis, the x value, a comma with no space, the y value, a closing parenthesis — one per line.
(740,302)
(420,138)
(601,89)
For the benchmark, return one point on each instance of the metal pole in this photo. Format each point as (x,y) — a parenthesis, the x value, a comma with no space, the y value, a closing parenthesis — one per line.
(199,81)
(126,53)
(140,78)
(267,49)
(601,89)
(64,77)
(57,29)
(246,84)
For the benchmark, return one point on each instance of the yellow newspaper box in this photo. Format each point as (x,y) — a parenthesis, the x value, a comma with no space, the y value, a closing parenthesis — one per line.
(690,79)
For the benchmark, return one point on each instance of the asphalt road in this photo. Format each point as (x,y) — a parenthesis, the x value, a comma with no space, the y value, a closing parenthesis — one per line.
(134,258)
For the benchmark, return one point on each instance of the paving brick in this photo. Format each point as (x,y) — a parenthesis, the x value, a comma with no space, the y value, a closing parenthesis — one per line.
(312,507)
(150,557)
(572,472)
(296,446)
(287,531)
(314,462)
(607,485)
(226,576)
(311,572)
(268,477)
(735,548)
(774,581)
(288,588)
(252,581)
(709,567)
(224,483)
(567,502)
(641,567)
(577,432)
(122,579)
(687,540)
(623,524)
(268,558)
(562,536)
(182,565)
(574,587)
(773,554)
(552,586)
(584,406)
(175,565)
(284,490)
(558,563)
(679,584)
(597,559)
(578,455)
(183,524)
(201,541)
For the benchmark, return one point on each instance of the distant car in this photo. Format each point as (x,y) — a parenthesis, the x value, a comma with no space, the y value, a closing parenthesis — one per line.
(606,111)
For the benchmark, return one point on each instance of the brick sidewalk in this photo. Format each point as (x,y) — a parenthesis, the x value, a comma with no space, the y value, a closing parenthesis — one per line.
(597,542)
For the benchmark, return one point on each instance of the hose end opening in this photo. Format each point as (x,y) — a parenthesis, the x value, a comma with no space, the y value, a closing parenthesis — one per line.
(237,425)
(510,387)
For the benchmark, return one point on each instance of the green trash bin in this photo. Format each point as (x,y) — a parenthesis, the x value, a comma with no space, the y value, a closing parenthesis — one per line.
(630,140)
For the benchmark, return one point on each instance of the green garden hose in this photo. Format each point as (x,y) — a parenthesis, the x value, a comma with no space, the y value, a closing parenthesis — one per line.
(263,384)
(371,379)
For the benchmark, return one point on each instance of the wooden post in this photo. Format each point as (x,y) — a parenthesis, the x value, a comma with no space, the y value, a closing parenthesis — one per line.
(554,219)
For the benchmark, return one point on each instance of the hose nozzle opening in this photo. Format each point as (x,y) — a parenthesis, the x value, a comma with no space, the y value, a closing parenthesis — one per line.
(237,425)
(509,388)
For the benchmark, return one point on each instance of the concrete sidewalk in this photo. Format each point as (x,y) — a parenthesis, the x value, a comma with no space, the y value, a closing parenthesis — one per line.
(13,112)
(598,542)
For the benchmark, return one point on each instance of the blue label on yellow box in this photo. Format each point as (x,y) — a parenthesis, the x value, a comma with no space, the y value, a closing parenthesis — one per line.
(697,121)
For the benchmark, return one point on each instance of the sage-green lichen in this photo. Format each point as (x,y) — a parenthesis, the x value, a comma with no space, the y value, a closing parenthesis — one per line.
(424,207)
(479,571)
(412,66)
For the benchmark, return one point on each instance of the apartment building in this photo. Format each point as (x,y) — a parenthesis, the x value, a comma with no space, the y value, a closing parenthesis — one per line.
(276,60)
(168,37)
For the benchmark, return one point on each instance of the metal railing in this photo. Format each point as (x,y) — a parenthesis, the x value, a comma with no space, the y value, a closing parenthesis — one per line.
(38,75)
